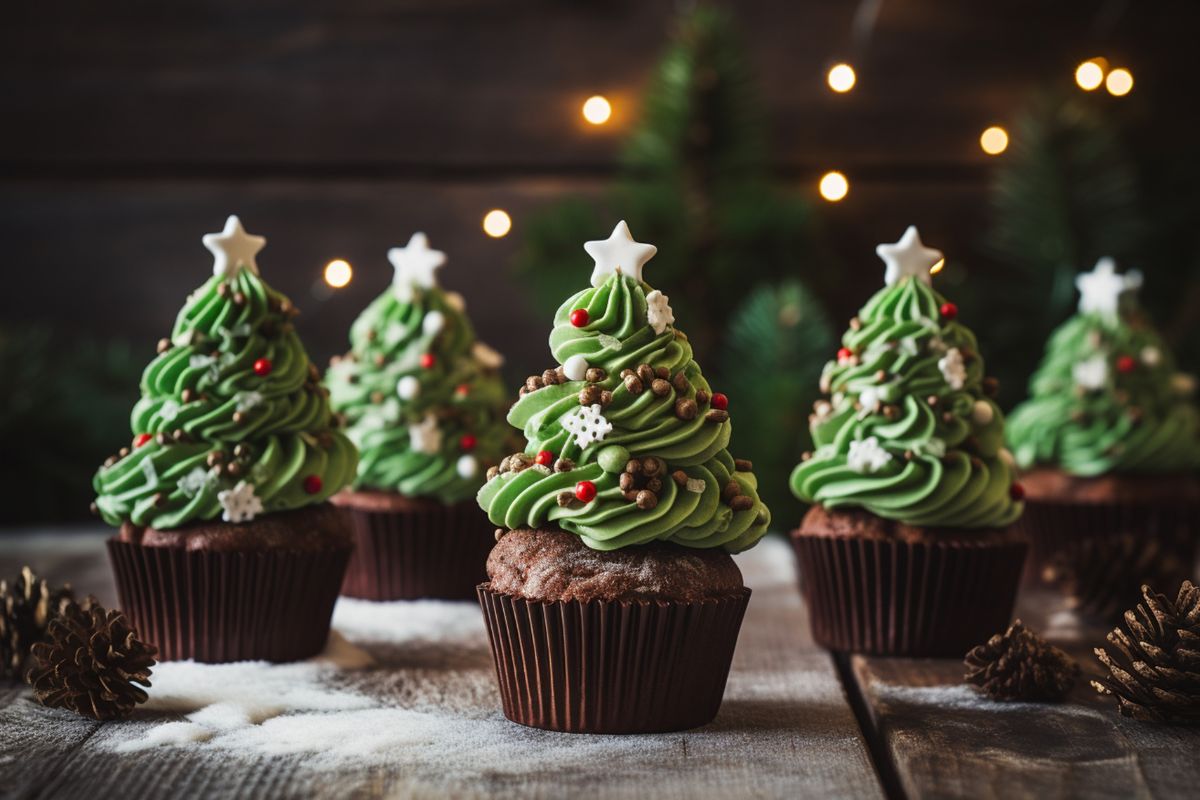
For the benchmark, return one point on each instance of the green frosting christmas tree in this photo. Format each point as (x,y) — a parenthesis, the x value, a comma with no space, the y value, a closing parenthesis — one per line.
(627,442)
(1107,396)
(422,397)
(233,420)
(908,429)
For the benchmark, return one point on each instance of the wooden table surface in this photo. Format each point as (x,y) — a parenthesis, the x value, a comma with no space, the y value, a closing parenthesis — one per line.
(796,722)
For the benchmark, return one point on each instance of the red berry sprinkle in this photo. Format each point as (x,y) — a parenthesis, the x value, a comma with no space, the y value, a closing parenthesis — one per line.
(585,491)
(1126,364)
(1016,491)
(948,311)
(845,354)
(468,441)
(544,457)
(427,360)
(141,439)
(263,367)
(580,317)
(313,484)
(462,390)
(720,401)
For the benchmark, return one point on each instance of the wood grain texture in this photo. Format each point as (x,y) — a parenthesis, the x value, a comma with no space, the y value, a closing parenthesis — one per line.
(785,729)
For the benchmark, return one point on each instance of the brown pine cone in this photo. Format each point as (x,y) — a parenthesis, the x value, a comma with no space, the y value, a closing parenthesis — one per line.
(1154,669)
(1020,665)
(26,607)
(90,663)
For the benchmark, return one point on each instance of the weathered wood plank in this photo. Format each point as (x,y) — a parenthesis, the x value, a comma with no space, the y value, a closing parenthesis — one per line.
(785,729)
(944,740)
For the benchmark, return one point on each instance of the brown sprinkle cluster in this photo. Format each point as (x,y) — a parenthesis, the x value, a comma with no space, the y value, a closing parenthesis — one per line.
(519,462)
(642,481)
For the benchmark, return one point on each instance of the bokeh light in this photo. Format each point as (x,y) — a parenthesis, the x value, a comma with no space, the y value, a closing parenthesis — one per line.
(597,110)
(1090,74)
(841,78)
(994,140)
(497,223)
(834,186)
(1119,82)
(338,273)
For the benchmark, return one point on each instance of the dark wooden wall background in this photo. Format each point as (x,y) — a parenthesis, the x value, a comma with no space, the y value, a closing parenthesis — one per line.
(336,129)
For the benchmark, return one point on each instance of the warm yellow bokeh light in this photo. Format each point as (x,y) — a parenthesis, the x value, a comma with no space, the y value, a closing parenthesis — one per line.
(1119,82)
(1090,74)
(994,140)
(834,186)
(938,267)
(497,223)
(597,109)
(841,78)
(338,273)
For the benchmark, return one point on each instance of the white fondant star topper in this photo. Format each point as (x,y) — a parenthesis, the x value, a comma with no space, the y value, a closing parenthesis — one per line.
(233,249)
(414,264)
(619,253)
(908,257)
(1100,290)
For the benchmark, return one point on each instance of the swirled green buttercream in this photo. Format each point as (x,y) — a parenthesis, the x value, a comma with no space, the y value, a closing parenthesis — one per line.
(422,397)
(696,493)
(231,399)
(1107,398)
(906,431)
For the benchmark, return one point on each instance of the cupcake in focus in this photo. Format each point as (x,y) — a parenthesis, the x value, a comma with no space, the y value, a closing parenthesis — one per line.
(1109,439)
(908,548)
(227,548)
(424,403)
(612,604)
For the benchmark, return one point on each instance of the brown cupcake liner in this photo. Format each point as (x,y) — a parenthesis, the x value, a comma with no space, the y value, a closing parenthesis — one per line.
(894,598)
(1100,554)
(612,667)
(219,606)
(428,552)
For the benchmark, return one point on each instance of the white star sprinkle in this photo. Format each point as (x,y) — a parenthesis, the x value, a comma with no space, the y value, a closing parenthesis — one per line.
(240,504)
(908,257)
(414,264)
(426,436)
(658,311)
(1100,290)
(233,249)
(866,455)
(619,253)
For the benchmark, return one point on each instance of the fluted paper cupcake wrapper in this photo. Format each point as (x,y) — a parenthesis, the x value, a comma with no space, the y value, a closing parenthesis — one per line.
(923,599)
(1100,554)
(218,607)
(439,552)
(612,667)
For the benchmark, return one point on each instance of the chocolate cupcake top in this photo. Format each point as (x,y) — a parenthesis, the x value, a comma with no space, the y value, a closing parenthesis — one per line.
(627,442)
(233,421)
(907,429)
(422,397)
(1107,397)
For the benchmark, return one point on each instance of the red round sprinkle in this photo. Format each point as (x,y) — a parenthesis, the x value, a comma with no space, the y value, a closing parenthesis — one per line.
(141,439)
(845,353)
(427,360)
(1016,491)
(1126,364)
(468,441)
(263,367)
(949,311)
(580,317)
(585,491)
(544,457)
(313,484)
(462,390)
(720,401)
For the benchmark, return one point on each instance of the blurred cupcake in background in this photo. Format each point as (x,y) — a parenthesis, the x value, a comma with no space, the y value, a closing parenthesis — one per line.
(424,402)
(1110,441)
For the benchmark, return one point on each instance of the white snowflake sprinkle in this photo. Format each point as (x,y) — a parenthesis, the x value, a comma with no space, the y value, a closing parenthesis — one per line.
(426,436)
(433,323)
(587,424)
(408,387)
(611,342)
(696,485)
(575,368)
(194,482)
(953,369)
(247,401)
(658,311)
(1091,374)
(486,356)
(240,504)
(467,466)
(870,399)
(169,410)
(866,455)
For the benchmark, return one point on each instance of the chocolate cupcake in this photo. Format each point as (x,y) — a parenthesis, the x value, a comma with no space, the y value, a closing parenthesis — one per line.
(227,548)
(908,549)
(425,406)
(612,603)
(1110,436)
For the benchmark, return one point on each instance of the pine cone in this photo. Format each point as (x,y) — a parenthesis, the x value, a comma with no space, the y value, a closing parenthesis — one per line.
(1020,665)
(1154,670)
(91,662)
(26,608)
